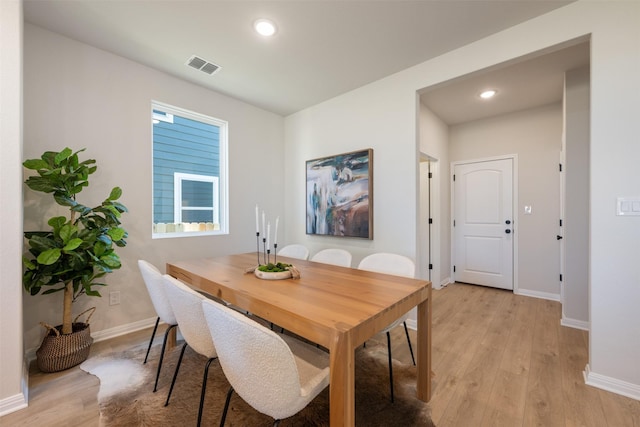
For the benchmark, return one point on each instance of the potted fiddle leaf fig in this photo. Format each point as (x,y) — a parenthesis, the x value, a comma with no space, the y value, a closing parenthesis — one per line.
(73,254)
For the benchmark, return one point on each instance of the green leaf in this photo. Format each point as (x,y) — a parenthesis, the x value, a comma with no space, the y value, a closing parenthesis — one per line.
(67,232)
(91,292)
(106,239)
(63,199)
(115,193)
(116,233)
(35,164)
(28,264)
(72,244)
(63,155)
(119,206)
(37,183)
(99,248)
(41,243)
(49,256)
(57,222)
(112,260)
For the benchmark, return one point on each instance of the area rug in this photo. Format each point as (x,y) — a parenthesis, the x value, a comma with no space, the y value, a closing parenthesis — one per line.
(126,395)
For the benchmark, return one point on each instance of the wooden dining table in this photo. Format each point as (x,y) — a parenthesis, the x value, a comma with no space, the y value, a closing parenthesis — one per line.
(336,307)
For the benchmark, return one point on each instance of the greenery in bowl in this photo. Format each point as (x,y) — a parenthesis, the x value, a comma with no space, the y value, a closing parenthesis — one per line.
(274,268)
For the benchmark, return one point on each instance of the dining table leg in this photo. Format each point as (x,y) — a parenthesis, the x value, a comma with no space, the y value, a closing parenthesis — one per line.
(342,381)
(423,385)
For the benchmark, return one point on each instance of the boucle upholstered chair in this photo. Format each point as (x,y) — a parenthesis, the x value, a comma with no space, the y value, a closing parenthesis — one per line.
(276,374)
(153,280)
(333,256)
(294,251)
(397,265)
(187,306)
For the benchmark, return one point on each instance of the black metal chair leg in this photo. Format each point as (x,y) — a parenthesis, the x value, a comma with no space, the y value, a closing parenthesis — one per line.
(390,364)
(164,345)
(406,331)
(175,374)
(204,388)
(153,334)
(276,423)
(226,407)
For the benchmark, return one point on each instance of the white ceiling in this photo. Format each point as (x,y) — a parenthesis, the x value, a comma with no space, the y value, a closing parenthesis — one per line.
(521,84)
(322,48)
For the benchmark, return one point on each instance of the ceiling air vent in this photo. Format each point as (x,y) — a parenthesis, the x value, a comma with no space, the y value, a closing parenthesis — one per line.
(202,65)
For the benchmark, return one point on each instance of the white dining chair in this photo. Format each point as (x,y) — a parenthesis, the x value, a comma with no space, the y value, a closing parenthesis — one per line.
(333,256)
(398,265)
(294,251)
(187,306)
(152,278)
(275,374)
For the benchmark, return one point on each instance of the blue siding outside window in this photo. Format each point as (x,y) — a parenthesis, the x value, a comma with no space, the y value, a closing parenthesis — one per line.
(188,146)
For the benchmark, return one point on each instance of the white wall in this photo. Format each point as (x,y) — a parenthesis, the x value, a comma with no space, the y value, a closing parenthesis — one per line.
(358,120)
(575,304)
(383,116)
(86,97)
(13,392)
(535,135)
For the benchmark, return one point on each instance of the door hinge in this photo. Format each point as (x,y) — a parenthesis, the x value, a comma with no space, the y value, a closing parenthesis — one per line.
(561,277)
(560,167)
(430,220)
(430,266)
(454,268)
(454,176)
(560,223)
(430,175)
(454,222)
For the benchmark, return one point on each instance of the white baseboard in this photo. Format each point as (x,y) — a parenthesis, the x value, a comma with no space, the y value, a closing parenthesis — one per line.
(445,282)
(576,324)
(123,329)
(20,400)
(12,404)
(536,294)
(611,384)
(107,334)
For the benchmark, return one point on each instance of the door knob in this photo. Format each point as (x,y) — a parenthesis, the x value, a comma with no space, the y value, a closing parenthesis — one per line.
(507,231)
(559,237)
(507,222)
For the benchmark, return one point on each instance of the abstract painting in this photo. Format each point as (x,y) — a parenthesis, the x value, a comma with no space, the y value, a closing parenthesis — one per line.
(340,195)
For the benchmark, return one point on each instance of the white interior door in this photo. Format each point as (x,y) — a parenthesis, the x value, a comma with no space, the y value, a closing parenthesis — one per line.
(483,223)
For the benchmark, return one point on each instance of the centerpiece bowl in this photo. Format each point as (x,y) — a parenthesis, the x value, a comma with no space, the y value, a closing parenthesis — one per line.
(277,271)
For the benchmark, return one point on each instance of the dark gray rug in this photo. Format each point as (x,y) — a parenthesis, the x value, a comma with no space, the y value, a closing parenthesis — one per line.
(126,397)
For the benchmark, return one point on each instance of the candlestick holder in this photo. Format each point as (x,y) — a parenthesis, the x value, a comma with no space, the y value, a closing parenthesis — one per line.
(264,250)
(275,253)
(258,246)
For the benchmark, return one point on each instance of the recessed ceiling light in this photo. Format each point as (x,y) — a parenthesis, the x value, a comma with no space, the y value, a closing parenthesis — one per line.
(265,27)
(488,94)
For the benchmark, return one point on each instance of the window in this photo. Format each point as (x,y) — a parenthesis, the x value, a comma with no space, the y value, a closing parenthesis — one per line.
(189,173)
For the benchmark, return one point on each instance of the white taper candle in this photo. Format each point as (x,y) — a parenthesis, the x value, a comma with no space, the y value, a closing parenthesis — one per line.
(268,232)
(257,225)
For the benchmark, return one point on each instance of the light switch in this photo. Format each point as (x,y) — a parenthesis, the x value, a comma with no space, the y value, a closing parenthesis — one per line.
(627,206)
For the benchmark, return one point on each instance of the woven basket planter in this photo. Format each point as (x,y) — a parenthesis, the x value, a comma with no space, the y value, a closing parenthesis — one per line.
(59,352)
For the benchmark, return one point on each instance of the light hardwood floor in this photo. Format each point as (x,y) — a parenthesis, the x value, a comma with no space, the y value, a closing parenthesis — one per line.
(499,360)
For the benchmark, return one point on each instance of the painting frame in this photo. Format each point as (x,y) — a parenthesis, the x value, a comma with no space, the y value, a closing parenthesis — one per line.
(339,195)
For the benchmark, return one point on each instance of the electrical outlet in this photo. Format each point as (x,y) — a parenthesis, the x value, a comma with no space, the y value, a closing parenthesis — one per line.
(114,298)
